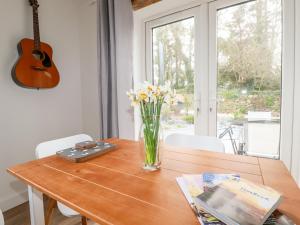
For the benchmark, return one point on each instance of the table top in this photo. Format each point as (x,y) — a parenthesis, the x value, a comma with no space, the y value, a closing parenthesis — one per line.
(113,189)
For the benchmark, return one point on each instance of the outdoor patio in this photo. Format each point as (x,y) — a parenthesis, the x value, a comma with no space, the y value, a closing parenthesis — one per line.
(259,138)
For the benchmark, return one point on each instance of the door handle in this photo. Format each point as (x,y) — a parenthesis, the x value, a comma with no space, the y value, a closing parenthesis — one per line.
(212,104)
(198,105)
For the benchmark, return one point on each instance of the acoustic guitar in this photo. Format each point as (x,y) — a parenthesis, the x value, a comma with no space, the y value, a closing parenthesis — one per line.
(35,68)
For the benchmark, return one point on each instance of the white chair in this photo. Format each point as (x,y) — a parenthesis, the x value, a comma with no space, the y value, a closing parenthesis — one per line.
(195,142)
(50,148)
(1,218)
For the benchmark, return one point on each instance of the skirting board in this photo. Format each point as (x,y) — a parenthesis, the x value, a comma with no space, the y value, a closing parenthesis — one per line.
(14,200)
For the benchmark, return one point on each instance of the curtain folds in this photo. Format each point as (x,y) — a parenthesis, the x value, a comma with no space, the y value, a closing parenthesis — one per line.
(115,48)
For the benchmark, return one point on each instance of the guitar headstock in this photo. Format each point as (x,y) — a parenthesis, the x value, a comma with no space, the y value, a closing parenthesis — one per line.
(34,4)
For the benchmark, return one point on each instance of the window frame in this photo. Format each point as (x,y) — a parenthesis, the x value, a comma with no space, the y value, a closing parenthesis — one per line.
(200,14)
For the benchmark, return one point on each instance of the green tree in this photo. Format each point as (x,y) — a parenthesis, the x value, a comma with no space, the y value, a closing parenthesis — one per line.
(173,56)
(246,55)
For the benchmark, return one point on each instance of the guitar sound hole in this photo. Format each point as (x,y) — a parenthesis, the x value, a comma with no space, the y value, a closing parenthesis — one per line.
(47,61)
(38,55)
(42,56)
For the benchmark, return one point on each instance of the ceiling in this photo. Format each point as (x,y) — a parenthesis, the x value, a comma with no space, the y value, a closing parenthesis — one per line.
(138,4)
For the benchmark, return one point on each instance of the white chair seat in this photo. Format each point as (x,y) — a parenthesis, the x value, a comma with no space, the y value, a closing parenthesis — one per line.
(50,148)
(196,142)
(66,211)
(1,218)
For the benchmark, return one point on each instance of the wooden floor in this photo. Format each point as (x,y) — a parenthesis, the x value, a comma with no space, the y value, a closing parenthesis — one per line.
(20,216)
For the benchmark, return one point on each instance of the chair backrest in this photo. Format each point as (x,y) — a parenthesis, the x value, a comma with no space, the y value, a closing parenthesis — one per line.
(51,147)
(1,218)
(196,142)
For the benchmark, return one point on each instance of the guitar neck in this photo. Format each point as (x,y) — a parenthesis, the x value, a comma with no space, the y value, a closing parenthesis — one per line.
(36,29)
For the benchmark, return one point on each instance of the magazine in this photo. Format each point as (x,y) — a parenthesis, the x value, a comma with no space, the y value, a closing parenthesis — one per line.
(188,182)
(212,179)
(237,201)
(194,183)
(203,217)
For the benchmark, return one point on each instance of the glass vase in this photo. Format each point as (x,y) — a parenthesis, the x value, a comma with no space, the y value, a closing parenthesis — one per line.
(150,138)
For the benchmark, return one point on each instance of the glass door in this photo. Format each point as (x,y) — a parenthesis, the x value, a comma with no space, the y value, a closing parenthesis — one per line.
(245,75)
(173,55)
(174,61)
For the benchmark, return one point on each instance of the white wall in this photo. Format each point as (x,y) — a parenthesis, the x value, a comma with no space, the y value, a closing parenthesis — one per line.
(88,64)
(297,73)
(296,131)
(28,117)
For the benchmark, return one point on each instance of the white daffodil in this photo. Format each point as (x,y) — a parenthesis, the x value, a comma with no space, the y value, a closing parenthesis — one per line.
(149,93)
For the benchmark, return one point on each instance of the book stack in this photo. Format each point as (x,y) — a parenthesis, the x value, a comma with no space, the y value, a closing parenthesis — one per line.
(219,199)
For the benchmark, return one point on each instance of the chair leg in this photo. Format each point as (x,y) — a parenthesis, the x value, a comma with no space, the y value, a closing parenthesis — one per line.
(49,211)
(83,220)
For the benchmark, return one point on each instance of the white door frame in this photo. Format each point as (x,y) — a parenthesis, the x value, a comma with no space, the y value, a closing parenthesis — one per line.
(213,8)
(200,14)
(295,155)
(288,73)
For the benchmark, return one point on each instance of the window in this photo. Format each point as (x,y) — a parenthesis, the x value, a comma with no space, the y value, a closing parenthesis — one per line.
(249,49)
(173,61)
(236,79)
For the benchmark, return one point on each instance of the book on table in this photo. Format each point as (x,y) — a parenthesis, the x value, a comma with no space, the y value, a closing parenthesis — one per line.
(228,198)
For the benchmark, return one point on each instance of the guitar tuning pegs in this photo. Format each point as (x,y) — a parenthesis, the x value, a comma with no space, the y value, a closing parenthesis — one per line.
(34,3)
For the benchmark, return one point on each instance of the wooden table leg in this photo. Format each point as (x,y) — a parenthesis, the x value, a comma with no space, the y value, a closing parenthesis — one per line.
(36,205)
(51,204)
(83,220)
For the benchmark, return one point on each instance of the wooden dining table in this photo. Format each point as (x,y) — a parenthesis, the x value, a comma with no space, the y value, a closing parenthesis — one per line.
(113,189)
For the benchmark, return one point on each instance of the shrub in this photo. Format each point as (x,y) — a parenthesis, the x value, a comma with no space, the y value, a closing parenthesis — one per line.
(230,94)
(189,119)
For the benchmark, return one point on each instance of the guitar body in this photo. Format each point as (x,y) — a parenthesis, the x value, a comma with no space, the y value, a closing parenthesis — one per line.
(35,68)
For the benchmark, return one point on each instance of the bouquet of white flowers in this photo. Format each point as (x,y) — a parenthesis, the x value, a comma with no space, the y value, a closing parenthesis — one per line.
(150,99)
